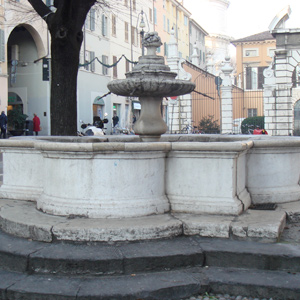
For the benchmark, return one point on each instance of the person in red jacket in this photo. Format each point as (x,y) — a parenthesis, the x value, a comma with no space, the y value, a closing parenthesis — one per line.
(259,131)
(36,124)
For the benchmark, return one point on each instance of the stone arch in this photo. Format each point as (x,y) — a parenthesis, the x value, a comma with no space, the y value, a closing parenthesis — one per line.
(36,36)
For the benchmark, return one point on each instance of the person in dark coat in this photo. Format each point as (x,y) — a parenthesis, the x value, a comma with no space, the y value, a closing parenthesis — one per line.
(3,124)
(36,124)
(115,119)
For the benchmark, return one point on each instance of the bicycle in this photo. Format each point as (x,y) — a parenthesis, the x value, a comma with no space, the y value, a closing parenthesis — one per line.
(249,129)
(189,129)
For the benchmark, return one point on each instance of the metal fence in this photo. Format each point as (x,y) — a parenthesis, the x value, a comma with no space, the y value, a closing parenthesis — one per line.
(206,101)
(247,99)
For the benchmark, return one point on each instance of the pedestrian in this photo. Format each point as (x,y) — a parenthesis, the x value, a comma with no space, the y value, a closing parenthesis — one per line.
(3,124)
(133,119)
(115,119)
(36,124)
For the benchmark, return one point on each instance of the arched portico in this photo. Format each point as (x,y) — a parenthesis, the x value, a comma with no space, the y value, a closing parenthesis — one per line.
(25,51)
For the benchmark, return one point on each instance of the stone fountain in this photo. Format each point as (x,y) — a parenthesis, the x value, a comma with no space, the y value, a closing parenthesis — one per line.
(116,188)
(151,80)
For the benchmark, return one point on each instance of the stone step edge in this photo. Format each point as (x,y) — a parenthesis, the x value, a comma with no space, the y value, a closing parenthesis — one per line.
(160,285)
(21,218)
(278,285)
(18,254)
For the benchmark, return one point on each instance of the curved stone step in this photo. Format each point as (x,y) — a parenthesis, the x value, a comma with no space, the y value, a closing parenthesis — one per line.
(169,285)
(21,218)
(278,285)
(85,259)
(162,285)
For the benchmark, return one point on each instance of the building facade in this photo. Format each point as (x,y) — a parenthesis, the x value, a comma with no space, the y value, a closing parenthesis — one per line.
(3,65)
(213,17)
(112,43)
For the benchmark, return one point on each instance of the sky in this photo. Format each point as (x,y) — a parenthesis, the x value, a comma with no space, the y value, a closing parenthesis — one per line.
(247,17)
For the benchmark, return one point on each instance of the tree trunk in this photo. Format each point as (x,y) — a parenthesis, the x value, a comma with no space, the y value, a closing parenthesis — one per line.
(65,26)
(64,70)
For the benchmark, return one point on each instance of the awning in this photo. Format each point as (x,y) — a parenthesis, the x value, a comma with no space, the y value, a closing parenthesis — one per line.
(136,105)
(99,101)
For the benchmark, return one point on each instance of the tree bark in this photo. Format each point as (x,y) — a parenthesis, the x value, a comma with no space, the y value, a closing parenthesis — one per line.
(65,27)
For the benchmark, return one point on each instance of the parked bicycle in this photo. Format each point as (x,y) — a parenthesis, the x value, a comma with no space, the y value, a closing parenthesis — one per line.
(189,129)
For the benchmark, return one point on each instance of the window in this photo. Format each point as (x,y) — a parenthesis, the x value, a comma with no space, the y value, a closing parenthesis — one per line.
(104,25)
(165,22)
(166,53)
(134,5)
(126,3)
(115,67)
(126,32)
(127,65)
(155,16)
(252,112)
(49,3)
(252,52)
(92,19)
(104,68)
(87,22)
(186,20)
(133,36)
(150,15)
(89,62)
(296,77)
(2,46)
(254,78)
(164,4)
(168,26)
(271,52)
(114,25)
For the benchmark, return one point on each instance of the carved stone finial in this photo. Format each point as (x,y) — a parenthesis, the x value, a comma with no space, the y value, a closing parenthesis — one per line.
(152,39)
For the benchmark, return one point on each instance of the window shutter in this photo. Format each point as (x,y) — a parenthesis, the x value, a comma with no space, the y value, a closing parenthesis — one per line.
(104,25)
(2,46)
(92,19)
(248,78)
(92,56)
(104,68)
(261,77)
(115,68)
(166,53)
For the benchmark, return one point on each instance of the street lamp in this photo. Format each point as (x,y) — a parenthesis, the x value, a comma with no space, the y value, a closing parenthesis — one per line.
(142,25)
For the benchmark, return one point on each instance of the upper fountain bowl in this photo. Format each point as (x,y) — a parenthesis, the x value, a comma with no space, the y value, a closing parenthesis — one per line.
(151,77)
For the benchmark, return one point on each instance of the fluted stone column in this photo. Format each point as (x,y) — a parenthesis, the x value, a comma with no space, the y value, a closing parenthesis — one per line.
(226,98)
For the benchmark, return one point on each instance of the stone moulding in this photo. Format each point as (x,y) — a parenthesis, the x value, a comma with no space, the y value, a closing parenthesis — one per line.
(115,179)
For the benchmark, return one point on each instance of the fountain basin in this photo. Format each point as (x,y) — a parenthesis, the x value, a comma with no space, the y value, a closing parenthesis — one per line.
(120,178)
(157,86)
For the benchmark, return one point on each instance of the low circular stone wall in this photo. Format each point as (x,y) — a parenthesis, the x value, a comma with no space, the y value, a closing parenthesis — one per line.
(119,177)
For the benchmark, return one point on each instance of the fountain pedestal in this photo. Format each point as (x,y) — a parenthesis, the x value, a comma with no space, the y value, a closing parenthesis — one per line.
(151,80)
